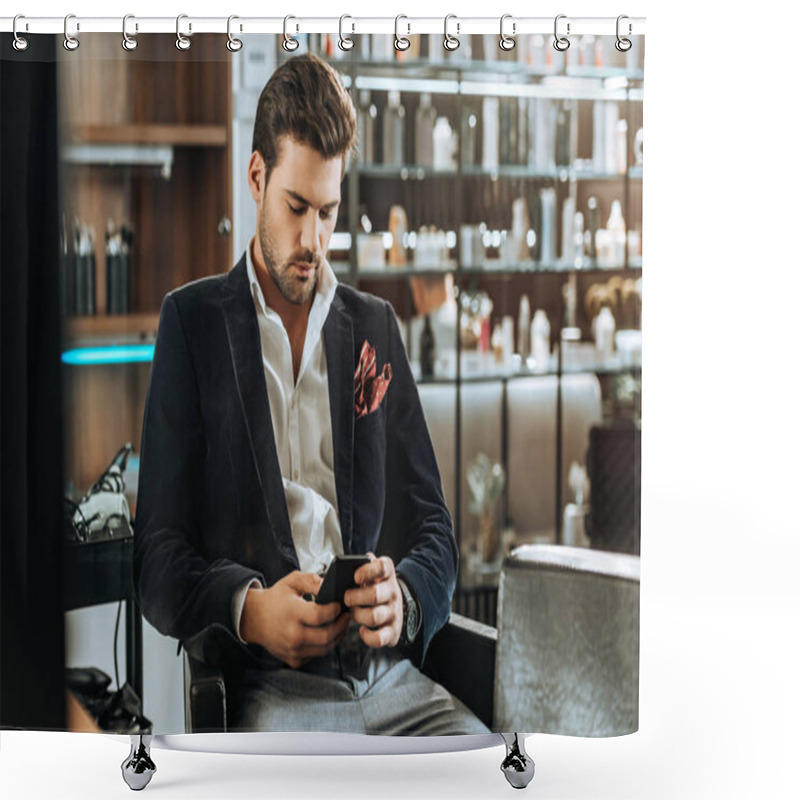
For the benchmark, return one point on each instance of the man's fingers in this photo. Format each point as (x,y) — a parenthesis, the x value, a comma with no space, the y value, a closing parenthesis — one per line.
(324,636)
(373,595)
(314,615)
(378,569)
(382,637)
(373,617)
(303,582)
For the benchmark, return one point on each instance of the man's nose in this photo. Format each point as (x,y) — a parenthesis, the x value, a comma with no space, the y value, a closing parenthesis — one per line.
(311,233)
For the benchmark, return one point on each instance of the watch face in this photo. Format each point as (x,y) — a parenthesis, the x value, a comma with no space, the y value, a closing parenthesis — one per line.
(412,622)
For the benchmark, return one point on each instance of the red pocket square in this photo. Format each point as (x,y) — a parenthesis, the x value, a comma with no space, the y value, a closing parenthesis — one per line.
(370,385)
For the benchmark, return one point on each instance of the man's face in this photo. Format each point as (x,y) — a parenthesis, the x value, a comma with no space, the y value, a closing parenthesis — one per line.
(297,210)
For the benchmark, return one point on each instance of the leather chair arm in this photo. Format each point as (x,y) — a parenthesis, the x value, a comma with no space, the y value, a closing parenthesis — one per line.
(461,657)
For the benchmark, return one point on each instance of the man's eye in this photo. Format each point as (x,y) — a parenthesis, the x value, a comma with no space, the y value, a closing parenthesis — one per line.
(325,214)
(297,211)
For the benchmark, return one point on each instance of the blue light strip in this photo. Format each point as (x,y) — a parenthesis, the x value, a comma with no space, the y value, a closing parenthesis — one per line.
(122,354)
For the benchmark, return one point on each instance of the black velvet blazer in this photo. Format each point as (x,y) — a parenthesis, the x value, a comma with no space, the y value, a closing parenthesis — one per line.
(211,510)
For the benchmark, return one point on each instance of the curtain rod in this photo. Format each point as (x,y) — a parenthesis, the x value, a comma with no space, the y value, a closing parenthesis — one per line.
(349,25)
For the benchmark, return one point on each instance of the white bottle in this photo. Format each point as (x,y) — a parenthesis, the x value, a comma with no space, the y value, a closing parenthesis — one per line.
(443,145)
(524,328)
(547,253)
(604,327)
(616,232)
(520,225)
(622,146)
(423,131)
(540,340)
(393,131)
(491,132)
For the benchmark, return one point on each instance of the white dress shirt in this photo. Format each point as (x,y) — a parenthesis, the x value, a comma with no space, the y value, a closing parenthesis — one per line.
(301,420)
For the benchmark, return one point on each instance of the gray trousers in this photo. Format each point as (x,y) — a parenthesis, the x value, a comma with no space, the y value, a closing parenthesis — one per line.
(353,689)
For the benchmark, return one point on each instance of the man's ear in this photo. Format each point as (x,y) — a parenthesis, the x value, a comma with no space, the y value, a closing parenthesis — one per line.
(256,175)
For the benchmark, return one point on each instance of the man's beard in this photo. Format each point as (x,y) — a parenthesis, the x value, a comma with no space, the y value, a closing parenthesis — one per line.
(293,289)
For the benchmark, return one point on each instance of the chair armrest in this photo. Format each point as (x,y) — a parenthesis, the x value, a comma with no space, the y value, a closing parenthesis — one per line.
(461,657)
(204,696)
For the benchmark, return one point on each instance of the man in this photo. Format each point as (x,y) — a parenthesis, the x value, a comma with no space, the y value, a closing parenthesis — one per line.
(283,427)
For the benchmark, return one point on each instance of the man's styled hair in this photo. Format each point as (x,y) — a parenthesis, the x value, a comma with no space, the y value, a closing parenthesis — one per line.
(305,99)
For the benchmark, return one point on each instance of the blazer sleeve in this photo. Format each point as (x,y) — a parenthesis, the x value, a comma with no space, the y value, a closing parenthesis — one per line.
(179,591)
(415,500)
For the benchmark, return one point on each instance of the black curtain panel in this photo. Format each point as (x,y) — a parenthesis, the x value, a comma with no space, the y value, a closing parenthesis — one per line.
(32,621)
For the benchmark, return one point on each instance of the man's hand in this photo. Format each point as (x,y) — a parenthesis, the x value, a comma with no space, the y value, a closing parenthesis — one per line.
(292,629)
(377,603)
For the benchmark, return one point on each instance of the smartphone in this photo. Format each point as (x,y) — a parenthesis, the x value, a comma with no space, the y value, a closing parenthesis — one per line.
(339,578)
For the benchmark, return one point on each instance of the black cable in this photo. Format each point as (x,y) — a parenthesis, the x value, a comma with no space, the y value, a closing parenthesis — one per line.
(116,638)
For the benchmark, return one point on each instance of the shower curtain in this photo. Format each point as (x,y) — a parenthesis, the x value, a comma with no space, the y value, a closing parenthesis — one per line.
(492,197)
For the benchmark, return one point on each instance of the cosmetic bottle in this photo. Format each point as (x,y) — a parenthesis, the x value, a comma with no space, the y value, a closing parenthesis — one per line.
(398,227)
(540,340)
(507,334)
(520,225)
(593,222)
(579,251)
(444,145)
(610,137)
(562,143)
(523,119)
(424,122)
(598,136)
(427,349)
(568,232)
(367,119)
(469,136)
(491,140)
(604,328)
(393,131)
(85,265)
(616,229)
(574,524)
(621,137)
(524,328)
(547,233)
(541,130)
(118,270)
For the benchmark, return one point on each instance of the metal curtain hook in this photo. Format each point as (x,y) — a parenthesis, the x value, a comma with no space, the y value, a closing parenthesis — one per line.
(128,42)
(20,42)
(401,42)
(506,42)
(289,43)
(233,44)
(182,43)
(622,44)
(561,43)
(70,42)
(451,42)
(345,43)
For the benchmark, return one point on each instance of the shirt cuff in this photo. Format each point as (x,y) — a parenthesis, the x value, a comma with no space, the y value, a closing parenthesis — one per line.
(237,606)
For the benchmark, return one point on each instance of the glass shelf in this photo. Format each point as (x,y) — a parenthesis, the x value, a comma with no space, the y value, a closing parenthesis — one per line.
(615,365)
(433,69)
(489,269)
(563,173)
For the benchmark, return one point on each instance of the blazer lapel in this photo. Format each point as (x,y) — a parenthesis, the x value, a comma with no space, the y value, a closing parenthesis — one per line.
(251,386)
(338,334)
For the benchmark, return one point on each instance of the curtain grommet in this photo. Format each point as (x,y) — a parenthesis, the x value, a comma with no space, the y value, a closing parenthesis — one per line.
(71,43)
(560,43)
(507,42)
(401,43)
(623,44)
(450,42)
(233,44)
(290,44)
(20,43)
(182,42)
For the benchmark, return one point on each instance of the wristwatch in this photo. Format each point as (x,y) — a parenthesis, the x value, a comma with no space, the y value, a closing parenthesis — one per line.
(412,617)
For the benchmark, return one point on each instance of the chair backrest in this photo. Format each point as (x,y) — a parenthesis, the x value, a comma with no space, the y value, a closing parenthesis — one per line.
(568,642)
